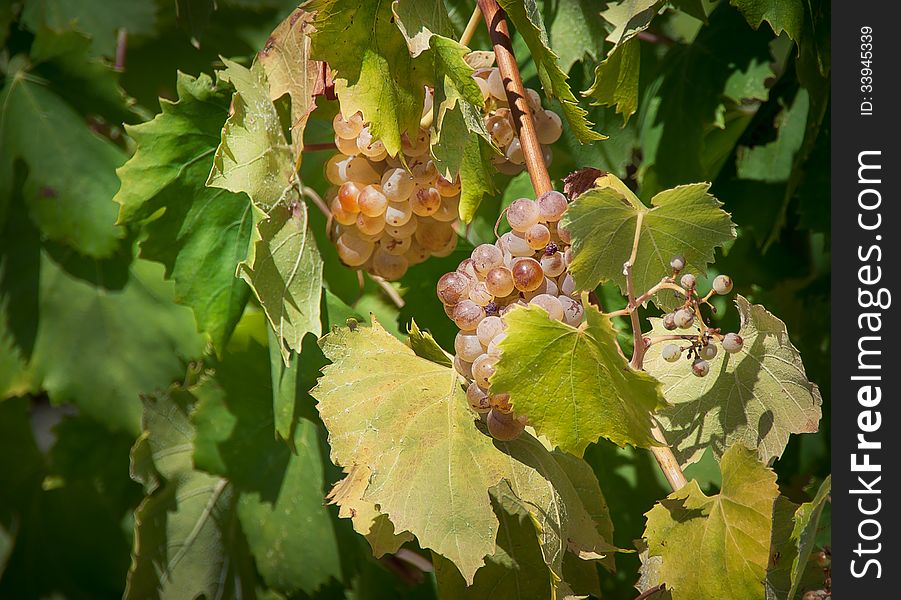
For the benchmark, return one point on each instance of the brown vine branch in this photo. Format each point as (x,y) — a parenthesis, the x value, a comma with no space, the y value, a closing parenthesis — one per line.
(495,18)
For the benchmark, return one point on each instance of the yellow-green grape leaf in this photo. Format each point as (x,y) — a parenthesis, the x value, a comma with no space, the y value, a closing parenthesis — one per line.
(431,467)
(365,516)
(290,70)
(371,64)
(284,269)
(616,79)
(476,175)
(254,156)
(420,20)
(526,17)
(573,383)
(187,537)
(424,345)
(628,17)
(757,397)
(804,533)
(685,221)
(716,546)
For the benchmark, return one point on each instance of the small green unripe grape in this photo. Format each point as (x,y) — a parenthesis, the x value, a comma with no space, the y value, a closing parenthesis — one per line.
(527,274)
(486,257)
(688,281)
(551,205)
(707,352)
(477,398)
(683,318)
(522,214)
(489,328)
(499,281)
(572,310)
(732,343)
(454,287)
(551,304)
(502,427)
(722,284)
(700,367)
(389,266)
(483,369)
(677,263)
(671,352)
(463,367)
(669,321)
(467,346)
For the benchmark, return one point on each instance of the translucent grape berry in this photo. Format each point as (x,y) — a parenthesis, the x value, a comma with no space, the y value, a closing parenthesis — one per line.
(732,343)
(669,321)
(677,263)
(722,284)
(700,367)
(683,318)
(671,352)
(687,281)
(707,352)
(504,427)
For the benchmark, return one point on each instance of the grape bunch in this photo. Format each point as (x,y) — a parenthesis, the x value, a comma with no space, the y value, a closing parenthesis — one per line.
(499,122)
(700,347)
(527,265)
(389,216)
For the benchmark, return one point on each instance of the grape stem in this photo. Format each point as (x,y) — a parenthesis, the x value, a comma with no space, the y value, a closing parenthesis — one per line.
(666,460)
(389,290)
(495,19)
(650,592)
(656,339)
(471,27)
(665,284)
(319,147)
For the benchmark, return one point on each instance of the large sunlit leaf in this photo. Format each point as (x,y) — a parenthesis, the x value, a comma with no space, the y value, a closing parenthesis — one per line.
(254,157)
(716,546)
(431,467)
(373,69)
(757,397)
(527,19)
(204,232)
(573,383)
(685,221)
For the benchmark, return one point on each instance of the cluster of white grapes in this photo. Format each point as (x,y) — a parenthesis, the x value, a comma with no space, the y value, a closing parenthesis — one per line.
(389,216)
(499,122)
(701,347)
(525,266)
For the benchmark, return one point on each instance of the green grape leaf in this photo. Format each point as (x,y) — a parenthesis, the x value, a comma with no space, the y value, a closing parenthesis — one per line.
(127,313)
(476,176)
(420,20)
(203,232)
(527,19)
(685,221)
(716,546)
(804,533)
(573,383)
(289,532)
(365,516)
(69,194)
(188,541)
(290,70)
(424,345)
(628,17)
(371,64)
(284,270)
(254,156)
(576,32)
(406,419)
(775,161)
(782,15)
(98,19)
(757,397)
(616,79)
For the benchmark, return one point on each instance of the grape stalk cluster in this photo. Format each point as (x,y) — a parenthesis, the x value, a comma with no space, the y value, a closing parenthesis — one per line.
(528,265)
(391,212)
(699,348)
(499,122)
